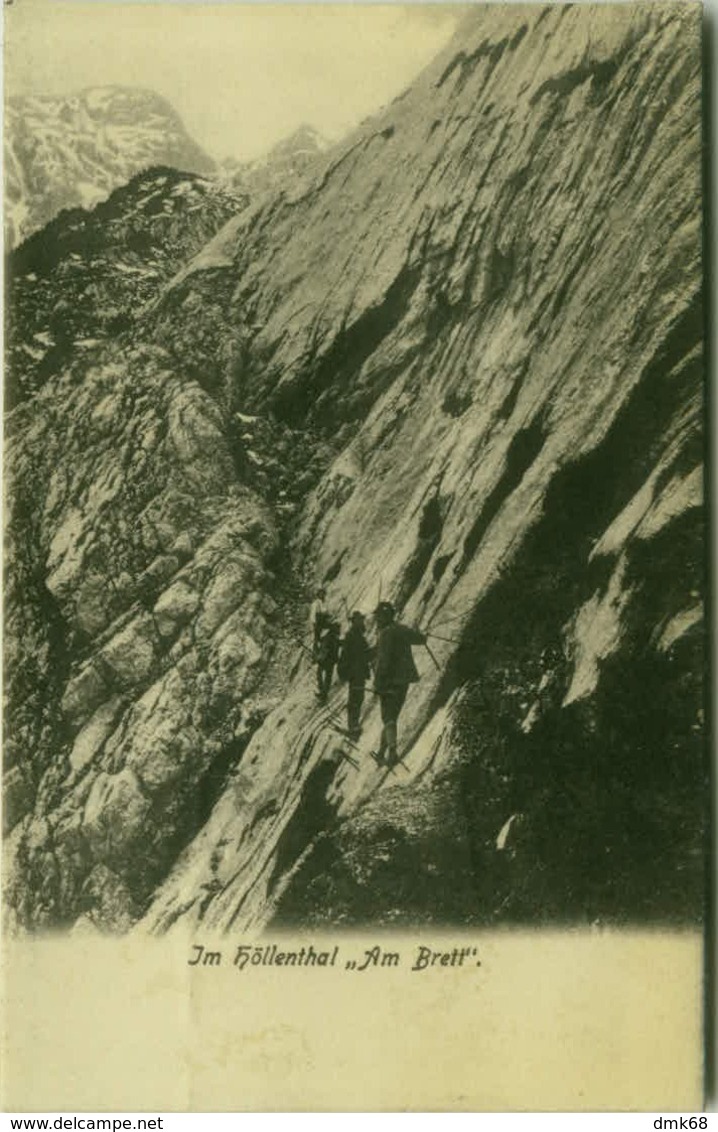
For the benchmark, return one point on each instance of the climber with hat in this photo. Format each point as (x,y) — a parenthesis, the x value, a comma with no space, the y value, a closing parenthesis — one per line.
(354,666)
(394,671)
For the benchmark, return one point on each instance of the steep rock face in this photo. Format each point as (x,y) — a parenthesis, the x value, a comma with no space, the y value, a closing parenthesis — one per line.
(71,152)
(486,315)
(517,360)
(452,197)
(83,278)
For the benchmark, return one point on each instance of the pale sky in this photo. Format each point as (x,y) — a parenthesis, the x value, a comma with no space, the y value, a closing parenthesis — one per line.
(242,76)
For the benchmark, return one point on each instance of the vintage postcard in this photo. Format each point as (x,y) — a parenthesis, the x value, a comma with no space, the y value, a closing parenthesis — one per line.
(355,661)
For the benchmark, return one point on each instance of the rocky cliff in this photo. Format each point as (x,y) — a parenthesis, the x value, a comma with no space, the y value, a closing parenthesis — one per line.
(84,278)
(461,369)
(70,152)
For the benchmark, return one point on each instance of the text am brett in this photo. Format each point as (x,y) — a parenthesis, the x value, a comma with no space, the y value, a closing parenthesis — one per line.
(422,958)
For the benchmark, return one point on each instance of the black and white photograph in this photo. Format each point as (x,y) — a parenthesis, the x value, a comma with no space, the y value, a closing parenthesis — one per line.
(356,552)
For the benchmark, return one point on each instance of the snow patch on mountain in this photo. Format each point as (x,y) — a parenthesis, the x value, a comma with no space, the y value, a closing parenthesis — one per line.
(72,151)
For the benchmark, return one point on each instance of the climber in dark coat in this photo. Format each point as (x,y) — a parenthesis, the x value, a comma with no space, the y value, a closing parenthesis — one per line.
(355,667)
(393,673)
(327,650)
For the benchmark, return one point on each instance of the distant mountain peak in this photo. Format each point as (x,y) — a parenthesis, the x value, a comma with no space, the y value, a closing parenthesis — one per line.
(289,160)
(305,137)
(72,150)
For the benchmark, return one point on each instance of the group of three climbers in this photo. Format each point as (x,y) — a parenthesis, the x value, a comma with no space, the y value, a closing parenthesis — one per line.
(389,658)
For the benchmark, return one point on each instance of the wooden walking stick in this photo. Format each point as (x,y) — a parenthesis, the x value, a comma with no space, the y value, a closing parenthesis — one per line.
(432,656)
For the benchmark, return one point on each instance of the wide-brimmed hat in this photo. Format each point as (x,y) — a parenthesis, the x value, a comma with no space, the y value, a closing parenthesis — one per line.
(384,611)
